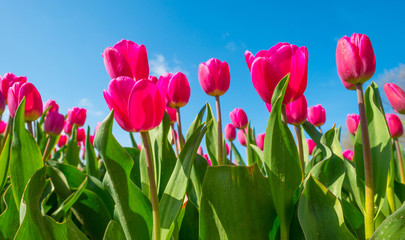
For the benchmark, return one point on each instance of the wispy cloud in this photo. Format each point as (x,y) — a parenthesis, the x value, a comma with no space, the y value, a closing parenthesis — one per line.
(394,75)
(91,110)
(231,46)
(159,65)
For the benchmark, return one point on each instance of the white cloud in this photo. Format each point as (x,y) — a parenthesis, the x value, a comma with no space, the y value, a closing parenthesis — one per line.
(86,103)
(394,75)
(159,66)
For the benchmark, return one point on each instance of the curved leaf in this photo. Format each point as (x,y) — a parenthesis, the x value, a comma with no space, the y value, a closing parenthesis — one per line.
(393,226)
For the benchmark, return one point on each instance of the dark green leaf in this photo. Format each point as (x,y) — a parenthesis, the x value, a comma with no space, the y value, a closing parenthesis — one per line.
(90,157)
(73,149)
(393,226)
(196,123)
(4,162)
(9,221)
(114,231)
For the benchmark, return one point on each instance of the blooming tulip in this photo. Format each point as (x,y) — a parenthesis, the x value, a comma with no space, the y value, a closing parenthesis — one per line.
(242,137)
(67,128)
(395,125)
(138,106)
(396,96)
(62,140)
(269,67)
(33,101)
(172,114)
(311,145)
(348,154)
(352,122)
(76,116)
(175,88)
(54,123)
(81,135)
(227,149)
(260,141)
(230,132)
(3,126)
(355,59)
(52,105)
(297,111)
(316,115)
(239,118)
(214,77)
(128,59)
(8,81)
(153,79)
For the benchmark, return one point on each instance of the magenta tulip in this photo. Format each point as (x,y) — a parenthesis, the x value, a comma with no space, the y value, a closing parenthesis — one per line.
(67,128)
(8,81)
(260,141)
(54,123)
(2,104)
(175,88)
(297,111)
(242,137)
(77,116)
(207,158)
(200,150)
(352,122)
(81,135)
(268,106)
(127,59)
(230,132)
(355,59)
(138,106)
(33,101)
(172,114)
(269,67)
(153,79)
(396,96)
(214,77)
(62,140)
(395,125)
(227,149)
(52,105)
(316,115)
(239,118)
(348,154)
(311,145)
(3,126)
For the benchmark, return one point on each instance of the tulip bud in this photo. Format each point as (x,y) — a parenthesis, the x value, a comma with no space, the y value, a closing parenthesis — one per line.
(172,114)
(395,125)
(140,146)
(355,59)
(297,111)
(214,77)
(207,158)
(33,101)
(311,145)
(239,118)
(62,141)
(54,123)
(230,132)
(396,96)
(176,89)
(227,149)
(260,141)
(3,126)
(76,116)
(348,154)
(92,140)
(352,122)
(316,115)
(242,137)
(52,105)
(8,81)
(81,135)
(67,128)
(200,150)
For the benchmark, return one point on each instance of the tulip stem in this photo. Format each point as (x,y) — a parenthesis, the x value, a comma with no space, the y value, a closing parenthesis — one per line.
(300,148)
(175,141)
(47,149)
(220,145)
(320,129)
(230,151)
(368,166)
(29,125)
(283,114)
(400,163)
(152,185)
(179,128)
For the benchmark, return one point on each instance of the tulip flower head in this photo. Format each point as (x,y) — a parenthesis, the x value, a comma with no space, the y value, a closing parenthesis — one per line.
(81,135)
(176,89)
(172,114)
(2,103)
(239,118)
(230,132)
(227,149)
(8,81)
(3,126)
(52,105)
(67,128)
(77,116)
(33,101)
(355,59)
(54,123)
(348,154)
(214,77)
(200,151)
(207,158)
(396,97)
(297,111)
(153,79)
(268,106)
(352,122)
(260,141)
(311,145)
(62,140)
(395,125)
(242,137)
(316,115)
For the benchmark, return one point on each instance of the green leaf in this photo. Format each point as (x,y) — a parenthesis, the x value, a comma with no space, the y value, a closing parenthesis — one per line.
(211,138)
(73,149)
(114,231)
(133,209)
(320,213)
(25,157)
(393,226)
(312,132)
(197,175)
(134,144)
(189,225)
(135,172)
(4,162)
(90,157)
(237,208)
(238,158)
(196,123)
(9,221)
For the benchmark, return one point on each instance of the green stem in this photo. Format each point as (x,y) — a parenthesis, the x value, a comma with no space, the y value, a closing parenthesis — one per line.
(230,151)
(174,140)
(391,196)
(220,145)
(29,125)
(368,166)
(179,128)
(152,185)
(320,129)
(400,163)
(47,149)
(284,231)
(300,149)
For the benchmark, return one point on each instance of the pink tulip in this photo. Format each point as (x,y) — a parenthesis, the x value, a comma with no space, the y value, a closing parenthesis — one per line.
(33,101)
(81,135)
(311,145)
(2,103)
(175,88)
(396,96)
(200,150)
(239,118)
(352,122)
(3,126)
(227,149)
(172,114)
(316,115)
(268,106)
(52,105)
(153,79)
(297,111)
(92,140)
(207,158)
(67,128)
(140,146)
(269,67)
(54,123)
(348,154)
(260,141)
(355,59)
(395,125)
(214,77)
(138,106)
(230,132)
(127,59)
(62,141)
(8,81)
(77,116)
(242,137)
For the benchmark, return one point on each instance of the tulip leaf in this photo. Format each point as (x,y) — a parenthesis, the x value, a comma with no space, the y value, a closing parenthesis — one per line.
(73,149)
(132,208)
(197,175)
(250,141)
(196,123)
(90,157)
(135,172)
(4,162)
(211,138)
(393,227)
(312,132)
(305,147)
(114,231)
(238,158)
(189,225)
(320,213)
(9,221)
(25,156)
(237,208)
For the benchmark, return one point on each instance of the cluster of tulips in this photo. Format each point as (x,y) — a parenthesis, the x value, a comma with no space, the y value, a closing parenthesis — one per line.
(167,188)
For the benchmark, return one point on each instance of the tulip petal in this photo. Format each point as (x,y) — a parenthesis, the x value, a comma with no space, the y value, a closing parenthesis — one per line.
(178,90)
(116,64)
(348,61)
(367,57)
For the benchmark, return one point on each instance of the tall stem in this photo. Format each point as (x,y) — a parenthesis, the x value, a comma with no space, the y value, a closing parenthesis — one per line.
(400,163)
(368,166)
(29,125)
(320,129)
(230,151)
(47,149)
(284,231)
(300,148)
(174,140)
(152,185)
(220,145)
(179,128)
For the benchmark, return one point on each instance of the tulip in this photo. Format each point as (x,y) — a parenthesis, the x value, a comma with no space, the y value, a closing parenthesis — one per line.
(200,151)
(348,154)
(268,106)
(230,132)
(54,123)
(207,158)
(67,128)
(8,81)
(175,88)
(140,146)
(316,115)
(33,101)
(227,149)
(76,116)
(153,79)
(92,140)
(172,114)
(311,145)
(2,104)
(239,118)
(297,111)
(52,105)
(395,125)
(396,97)
(81,135)
(352,122)
(242,137)
(260,141)
(127,59)
(214,77)
(269,67)
(62,141)
(355,59)
(3,126)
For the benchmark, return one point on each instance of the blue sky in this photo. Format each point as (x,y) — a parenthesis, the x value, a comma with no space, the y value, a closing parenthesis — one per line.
(58,46)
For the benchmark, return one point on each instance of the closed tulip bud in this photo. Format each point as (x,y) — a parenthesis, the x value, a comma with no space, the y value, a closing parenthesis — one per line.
(128,59)
(138,106)
(230,132)
(52,105)
(67,128)
(81,135)
(33,101)
(242,137)
(175,88)
(214,77)
(8,81)
(269,67)
(200,150)
(297,111)
(77,116)
(3,126)
(316,115)
(62,140)
(352,122)
(395,125)
(54,123)
(260,141)
(227,149)
(396,97)
(348,154)
(355,59)
(239,118)
(311,145)
(172,114)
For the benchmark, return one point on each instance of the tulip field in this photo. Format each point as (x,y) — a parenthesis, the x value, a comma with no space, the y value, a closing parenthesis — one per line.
(62,180)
